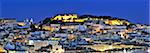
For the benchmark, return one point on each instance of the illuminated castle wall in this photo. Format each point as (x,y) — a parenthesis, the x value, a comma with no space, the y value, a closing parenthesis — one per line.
(67,18)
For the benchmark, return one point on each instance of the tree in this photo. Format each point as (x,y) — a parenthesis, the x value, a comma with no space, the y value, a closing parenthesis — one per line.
(32,26)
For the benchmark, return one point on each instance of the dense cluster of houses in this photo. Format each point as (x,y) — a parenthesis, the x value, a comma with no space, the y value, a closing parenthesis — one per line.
(66,33)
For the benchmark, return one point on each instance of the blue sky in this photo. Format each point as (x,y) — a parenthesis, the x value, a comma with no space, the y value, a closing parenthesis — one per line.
(136,11)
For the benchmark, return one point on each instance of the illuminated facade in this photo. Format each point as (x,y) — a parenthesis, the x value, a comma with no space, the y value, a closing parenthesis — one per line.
(21,23)
(116,22)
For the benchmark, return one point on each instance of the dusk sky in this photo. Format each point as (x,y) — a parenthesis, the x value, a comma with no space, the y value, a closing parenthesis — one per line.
(136,11)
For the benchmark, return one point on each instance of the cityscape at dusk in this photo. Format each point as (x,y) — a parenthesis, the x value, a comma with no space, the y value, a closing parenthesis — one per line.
(74,26)
(136,11)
